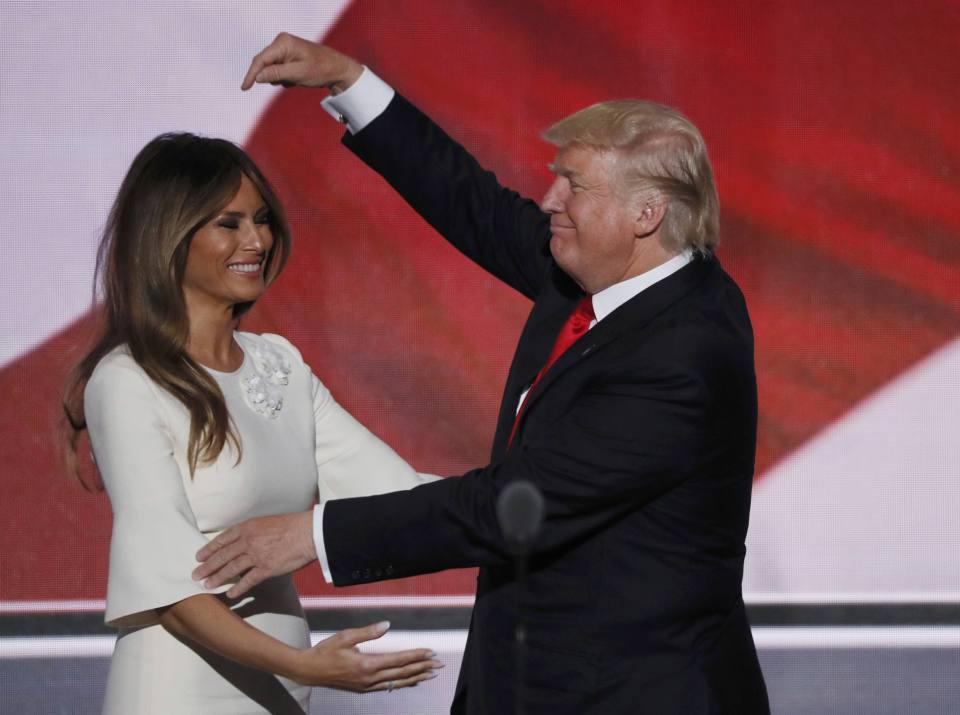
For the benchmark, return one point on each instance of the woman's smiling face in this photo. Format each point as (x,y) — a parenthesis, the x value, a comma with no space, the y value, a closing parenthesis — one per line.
(225,262)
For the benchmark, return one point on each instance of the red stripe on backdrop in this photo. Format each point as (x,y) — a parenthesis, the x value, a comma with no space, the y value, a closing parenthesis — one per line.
(834,134)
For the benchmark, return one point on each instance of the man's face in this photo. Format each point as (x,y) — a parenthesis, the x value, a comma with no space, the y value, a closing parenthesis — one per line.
(594,231)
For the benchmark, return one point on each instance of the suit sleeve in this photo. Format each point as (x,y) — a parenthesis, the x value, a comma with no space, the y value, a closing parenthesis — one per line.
(501,231)
(155,533)
(617,448)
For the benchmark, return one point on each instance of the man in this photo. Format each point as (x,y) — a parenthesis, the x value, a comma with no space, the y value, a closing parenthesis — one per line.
(630,403)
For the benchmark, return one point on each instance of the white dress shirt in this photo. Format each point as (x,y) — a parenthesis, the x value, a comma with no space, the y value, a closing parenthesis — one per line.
(359,105)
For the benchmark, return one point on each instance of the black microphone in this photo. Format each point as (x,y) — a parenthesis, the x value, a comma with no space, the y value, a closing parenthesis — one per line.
(520,513)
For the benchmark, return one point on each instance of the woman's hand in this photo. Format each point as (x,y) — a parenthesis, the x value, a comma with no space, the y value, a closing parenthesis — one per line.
(290,60)
(336,662)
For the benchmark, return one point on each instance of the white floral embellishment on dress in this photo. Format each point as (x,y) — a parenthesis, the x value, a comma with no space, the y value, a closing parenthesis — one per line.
(264,380)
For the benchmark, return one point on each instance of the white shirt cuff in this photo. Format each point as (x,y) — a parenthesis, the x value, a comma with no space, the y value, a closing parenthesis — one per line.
(318,541)
(360,103)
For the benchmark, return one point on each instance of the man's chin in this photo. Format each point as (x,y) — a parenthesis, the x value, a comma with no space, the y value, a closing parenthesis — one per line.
(556,245)
(560,250)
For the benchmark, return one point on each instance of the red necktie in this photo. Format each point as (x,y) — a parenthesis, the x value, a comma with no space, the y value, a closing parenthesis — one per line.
(576,325)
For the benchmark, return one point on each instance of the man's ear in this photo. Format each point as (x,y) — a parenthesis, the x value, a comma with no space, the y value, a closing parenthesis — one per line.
(650,217)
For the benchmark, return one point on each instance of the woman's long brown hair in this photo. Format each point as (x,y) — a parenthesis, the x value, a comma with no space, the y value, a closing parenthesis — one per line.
(176,184)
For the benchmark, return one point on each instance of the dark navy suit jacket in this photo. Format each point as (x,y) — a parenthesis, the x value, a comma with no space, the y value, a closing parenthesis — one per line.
(642,439)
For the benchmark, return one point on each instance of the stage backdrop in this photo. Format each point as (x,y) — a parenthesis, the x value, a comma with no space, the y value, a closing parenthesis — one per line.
(834,129)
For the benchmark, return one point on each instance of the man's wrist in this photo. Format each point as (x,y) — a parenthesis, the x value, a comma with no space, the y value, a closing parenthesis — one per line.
(352,73)
(308,545)
(360,103)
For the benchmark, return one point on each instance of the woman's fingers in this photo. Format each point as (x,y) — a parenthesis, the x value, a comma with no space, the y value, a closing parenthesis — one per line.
(349,669)
(399,659)
(408,672)
(353,636)
(401,670)
(403,683)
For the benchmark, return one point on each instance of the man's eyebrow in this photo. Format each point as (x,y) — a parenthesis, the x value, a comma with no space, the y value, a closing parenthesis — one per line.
(561,171)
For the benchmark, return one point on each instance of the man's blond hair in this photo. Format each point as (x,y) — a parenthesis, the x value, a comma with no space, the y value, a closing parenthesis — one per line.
(658,151)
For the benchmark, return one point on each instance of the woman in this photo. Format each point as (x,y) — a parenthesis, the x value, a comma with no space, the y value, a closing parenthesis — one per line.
(195,427)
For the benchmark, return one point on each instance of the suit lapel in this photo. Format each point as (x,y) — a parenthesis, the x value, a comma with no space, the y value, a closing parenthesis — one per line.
(533,348)
(625,320)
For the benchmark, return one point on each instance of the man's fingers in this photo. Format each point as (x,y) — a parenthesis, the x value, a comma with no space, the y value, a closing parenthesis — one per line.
(288,73)
(250,579)
(238,566)
(256,65)
(353,636)
(229,572)
(275,52)
(212,567)
(282,51)
(228,536)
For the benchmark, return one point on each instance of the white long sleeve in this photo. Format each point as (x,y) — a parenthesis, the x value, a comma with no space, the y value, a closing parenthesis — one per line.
(351,460)
(155,531)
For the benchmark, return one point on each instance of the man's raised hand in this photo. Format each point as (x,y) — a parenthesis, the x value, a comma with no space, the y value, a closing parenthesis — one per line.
(292,61)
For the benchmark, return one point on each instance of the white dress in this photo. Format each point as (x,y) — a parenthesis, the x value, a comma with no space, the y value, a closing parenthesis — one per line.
(297,444)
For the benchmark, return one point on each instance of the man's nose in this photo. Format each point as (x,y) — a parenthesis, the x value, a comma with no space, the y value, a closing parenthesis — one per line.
(555,199)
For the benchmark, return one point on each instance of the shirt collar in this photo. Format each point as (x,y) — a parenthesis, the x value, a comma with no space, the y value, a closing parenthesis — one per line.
(611,298)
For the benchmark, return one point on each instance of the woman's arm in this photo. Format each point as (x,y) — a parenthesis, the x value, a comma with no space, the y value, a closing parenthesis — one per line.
(334,662)
(351,460)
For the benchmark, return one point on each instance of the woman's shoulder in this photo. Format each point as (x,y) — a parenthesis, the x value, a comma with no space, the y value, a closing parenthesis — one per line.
(118,378)
(272,348)
(116,364)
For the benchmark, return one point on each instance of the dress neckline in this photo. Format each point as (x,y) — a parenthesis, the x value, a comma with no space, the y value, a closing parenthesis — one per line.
(228,373)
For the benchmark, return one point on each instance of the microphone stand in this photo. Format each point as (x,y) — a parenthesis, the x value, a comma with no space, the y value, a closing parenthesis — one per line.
(520,568)
(520,512)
